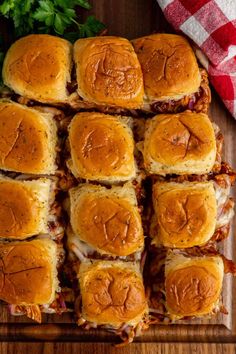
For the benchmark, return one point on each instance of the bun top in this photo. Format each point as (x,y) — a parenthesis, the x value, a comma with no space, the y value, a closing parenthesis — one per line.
(101,147)
(169,66)
(110,214)
(38,67)
(28,139)
(112,293)
(185,213)
(179,143)
(108,72)
(193,286)
(23,208)
(28,272)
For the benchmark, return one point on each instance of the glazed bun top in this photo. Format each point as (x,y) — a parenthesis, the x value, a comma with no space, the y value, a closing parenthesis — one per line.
(185,213)
(28,139)
(38,67)
(108,72)
(169,66)
(110,214)
(112,293)
(28,273)
(181,143)
(102,147)
(193,286)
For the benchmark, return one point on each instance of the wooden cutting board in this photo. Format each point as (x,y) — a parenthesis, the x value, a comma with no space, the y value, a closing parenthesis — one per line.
(131,19)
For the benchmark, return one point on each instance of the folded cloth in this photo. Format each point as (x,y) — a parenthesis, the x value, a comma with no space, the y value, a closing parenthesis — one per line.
(211,24)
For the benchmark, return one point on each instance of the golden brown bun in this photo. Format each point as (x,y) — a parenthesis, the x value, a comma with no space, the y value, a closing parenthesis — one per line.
(28,139)
(110,214)
(38,67)
(112,293)
(24,207)
(169,66)
(28,272)
(193,286)
(102,148)
(108,72)
(185,214)
(181,143)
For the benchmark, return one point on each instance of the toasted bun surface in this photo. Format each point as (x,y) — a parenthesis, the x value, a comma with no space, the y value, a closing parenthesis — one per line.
(28,272)
(169,66)
(106,219)
(179,143)
(108,72)
(185,213)
(112,293)
(38,67)
(23,208)
(193,286)
(28,139)
(101,147)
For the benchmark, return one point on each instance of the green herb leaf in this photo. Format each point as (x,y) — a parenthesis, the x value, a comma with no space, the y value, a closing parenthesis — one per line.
(6,6)
(2,55)
(83,3)
(49,16)
(91,27)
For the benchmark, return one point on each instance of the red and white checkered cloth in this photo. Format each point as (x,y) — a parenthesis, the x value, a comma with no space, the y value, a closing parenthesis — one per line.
(211,24)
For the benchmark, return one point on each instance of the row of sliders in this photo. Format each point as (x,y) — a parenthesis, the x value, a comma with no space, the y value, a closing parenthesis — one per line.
(172,144)
(105,237)
(108,73)
(31,225)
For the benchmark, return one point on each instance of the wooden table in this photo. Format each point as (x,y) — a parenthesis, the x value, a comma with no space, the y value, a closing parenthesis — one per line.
(134,18)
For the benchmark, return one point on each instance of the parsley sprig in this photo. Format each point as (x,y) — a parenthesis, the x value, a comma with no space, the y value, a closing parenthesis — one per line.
(50,16)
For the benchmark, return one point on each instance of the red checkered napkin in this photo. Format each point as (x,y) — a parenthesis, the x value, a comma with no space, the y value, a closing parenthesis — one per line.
(211,24)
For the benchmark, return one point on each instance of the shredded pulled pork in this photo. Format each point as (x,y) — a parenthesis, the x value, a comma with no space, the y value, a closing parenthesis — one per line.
(229,266)
(57,306)
(35,311)
(31,311)
(198,101)
(126,332)
(55,222)
(219,146)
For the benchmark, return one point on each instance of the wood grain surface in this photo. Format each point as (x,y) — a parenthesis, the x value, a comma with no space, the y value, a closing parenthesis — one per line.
(106,348)
(133,18)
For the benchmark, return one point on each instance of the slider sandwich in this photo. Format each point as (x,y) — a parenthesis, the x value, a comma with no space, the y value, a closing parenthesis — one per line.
(102,148)
(28,140)
(183,143)
(112,297)
(38,67)
(28,277)
(190,213)
(108,73)
(105,221)
(28,208)
(172,79)
(193,285)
